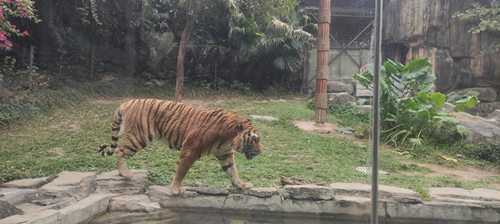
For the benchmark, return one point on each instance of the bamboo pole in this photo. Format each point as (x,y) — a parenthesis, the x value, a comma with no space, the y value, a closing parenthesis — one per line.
(323,46)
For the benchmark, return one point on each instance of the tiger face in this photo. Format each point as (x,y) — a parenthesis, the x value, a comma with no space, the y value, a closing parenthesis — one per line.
(250,143)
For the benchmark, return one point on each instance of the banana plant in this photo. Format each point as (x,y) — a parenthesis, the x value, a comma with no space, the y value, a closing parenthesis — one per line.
(410,112)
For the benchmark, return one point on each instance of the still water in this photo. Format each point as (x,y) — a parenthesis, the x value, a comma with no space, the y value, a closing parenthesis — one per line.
(203,217)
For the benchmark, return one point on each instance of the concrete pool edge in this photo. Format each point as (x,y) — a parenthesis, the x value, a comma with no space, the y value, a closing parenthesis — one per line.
(75,197)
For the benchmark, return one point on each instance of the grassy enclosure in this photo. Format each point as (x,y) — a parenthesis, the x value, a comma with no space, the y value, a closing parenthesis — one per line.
(67,138)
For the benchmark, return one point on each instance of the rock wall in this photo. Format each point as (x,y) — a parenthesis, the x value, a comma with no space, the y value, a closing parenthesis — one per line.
(425,28)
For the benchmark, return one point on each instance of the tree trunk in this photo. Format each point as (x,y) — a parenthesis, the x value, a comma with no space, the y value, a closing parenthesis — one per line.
(320,99)
(30,74)
(186,34)
(130,41)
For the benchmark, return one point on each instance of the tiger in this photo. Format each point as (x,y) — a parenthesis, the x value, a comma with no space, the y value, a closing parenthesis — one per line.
(193,132)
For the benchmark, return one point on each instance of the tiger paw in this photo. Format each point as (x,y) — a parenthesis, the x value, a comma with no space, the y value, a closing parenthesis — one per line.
(125,173)
(177,190)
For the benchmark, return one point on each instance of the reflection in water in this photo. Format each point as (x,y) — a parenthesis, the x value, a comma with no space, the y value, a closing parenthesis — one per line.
(204,217)
(169,216)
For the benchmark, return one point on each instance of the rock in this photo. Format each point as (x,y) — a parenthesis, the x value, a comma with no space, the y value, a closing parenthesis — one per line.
(292,181)
(366,108)
(239,202)
(85,209)
(485,93)
(352,205)
(28,183)
(7,210)
(338,86)
(112,182)
(133,203)
(494,117)
(309,192)
(443,212)
(342,97)
(362,92)
(481,131)
(208,190)
(262,192)
(159,193)
(264,117)
(70,184)
(427,29)
(17,196)
(476,194)
(47,216)
(484,108)
(385,192)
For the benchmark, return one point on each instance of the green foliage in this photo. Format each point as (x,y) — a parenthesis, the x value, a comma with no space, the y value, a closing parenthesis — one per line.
(463,102)
(485,19)
(346,114)
(485,151)
(409,112)
(29,107)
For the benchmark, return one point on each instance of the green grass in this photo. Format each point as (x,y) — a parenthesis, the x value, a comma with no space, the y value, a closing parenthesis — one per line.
(67,138)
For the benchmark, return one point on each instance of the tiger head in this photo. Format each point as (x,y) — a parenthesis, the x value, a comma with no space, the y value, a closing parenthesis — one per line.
(248,142)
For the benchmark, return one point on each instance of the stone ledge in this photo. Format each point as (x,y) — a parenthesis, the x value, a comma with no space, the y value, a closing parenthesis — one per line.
(349,199)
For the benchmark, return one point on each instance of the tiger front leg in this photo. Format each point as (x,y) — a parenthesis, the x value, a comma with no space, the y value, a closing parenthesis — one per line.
(228,164)
(185,163)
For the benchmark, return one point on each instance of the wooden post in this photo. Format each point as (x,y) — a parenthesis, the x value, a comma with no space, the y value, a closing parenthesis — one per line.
(320,98)
(30,75)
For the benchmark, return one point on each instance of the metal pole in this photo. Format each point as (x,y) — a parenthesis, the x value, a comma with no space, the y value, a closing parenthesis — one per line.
(376,109)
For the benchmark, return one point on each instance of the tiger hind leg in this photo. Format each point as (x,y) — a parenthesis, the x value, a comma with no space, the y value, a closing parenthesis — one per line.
(124,152)
(121,163)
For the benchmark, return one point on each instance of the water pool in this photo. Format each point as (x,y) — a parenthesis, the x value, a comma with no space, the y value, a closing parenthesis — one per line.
(209,217)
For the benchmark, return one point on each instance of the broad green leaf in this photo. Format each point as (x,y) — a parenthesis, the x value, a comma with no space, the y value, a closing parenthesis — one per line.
(437,100)
(471,103)
(410,104)
(417,64)
(416,141)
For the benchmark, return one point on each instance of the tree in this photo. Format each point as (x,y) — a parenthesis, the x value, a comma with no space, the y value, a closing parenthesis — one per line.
(186,34)
(485,19)
(10,9)
(271,34)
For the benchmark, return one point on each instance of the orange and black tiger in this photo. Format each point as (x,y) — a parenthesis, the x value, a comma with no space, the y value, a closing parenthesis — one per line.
(194,132)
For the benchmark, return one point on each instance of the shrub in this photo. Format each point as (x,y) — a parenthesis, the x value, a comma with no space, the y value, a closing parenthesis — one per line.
(409,112)
(488,151)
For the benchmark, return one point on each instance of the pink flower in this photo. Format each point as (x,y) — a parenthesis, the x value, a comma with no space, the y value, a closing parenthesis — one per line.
(2,37)
(26,33)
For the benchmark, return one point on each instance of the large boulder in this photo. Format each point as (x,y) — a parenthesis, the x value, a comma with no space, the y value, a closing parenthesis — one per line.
(7,210)
(480,131)
(342,97)
(427,29)
(339,85)
(485,93)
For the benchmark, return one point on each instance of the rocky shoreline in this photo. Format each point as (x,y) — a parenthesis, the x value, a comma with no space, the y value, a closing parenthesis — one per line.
(77,197)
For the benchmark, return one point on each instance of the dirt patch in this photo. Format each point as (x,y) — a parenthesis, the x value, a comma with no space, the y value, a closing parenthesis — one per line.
(328,129)
(468,173)
(67,125)
(59,151)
